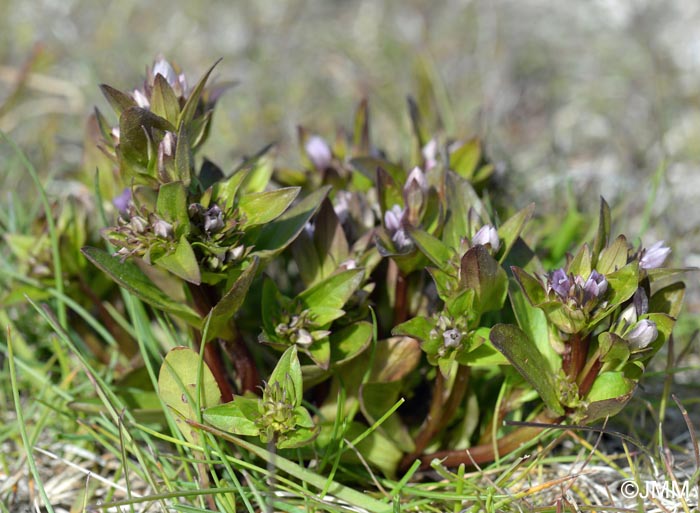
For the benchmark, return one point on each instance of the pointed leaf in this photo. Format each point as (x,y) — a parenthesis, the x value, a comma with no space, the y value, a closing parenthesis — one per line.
(224,193)
(360,139)
(184,165)
(226,308)
(580,265)
(288,367)
(350,341)
(528,361)
(230,417)
(461,197)
(182,262)
(263,207)
(668,300)
(329,240)
(464,159)
(603,234)
(433,248)
(171,205)
(118,100)
(613,257)
(164,103)
(334,291)
(531,286)
(320,353)
(481,272)
(509,231)
(188,111)
(418,328)
(278,234)
(129,276)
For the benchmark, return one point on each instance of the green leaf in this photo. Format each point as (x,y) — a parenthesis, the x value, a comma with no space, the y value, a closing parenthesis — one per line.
(278,234)
(360,137)
(461,197)
(118,100)
(668,300)
(263,207)
(531,286)
(436,251)
(320,352)
(609,394)
(134,125)
(528,361)
(378,398)
(481,272)
(288,370)
(226,308)
(322,315)
(334,291)
(235,417)
(388,190)
(418,328)
(260,167)
(350,341)
(465,159)
(509,231)
(184,162)
(178,387)
(601,238)
(329,241)
(224,193)
(172,206)
(368,166)
(129,276)
(188,111)
(297,437)
(462,305)
(580,265)
(164,103)
(533,322)
(182,262)
(613,257)
(565,318)
(271,306)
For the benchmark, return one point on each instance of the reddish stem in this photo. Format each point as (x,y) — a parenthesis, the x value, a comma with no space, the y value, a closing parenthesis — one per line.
(400,298)
(480,454)
(589,378)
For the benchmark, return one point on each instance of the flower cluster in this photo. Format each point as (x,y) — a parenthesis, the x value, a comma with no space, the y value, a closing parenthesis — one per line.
(299,329)
(575,291)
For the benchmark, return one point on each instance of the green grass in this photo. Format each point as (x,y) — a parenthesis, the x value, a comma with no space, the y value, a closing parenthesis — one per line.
(108,453)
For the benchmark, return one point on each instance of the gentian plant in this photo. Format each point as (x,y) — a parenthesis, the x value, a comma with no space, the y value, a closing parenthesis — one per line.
(339,290)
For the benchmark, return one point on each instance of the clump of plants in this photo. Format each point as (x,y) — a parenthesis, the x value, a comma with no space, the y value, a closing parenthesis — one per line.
(359,294)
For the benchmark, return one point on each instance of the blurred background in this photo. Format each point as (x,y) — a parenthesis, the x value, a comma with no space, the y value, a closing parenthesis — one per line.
(572,99)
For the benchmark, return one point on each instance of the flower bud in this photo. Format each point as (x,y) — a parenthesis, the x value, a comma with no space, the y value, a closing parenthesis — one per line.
(141,99)
(138,224)
(595,286)
(162,67)
(416,175)
(643,334)
(213,219)
(487,236)
(429,152)
(304,338)
(319,152)
(163,229)
(654,256)
(392,218)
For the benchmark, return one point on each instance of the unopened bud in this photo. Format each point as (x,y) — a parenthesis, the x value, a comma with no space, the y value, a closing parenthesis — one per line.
(643,334)
(487,235)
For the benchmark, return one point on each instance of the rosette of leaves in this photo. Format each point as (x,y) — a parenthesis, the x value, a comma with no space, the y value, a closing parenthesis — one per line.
(278,416)
(592,325)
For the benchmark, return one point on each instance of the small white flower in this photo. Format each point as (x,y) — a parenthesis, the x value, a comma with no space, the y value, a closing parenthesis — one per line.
(654,256)
(487,235)
(141,99)
(392,218)
(163,68)
(643,334)
(318,152)
(163,229)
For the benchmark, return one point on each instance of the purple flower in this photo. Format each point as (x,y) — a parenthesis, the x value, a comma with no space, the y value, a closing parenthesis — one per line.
(560,283)
(487,235)
(318,152)
(643,334)
(213,219)
(121,202)
(595,286)
(654,256)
